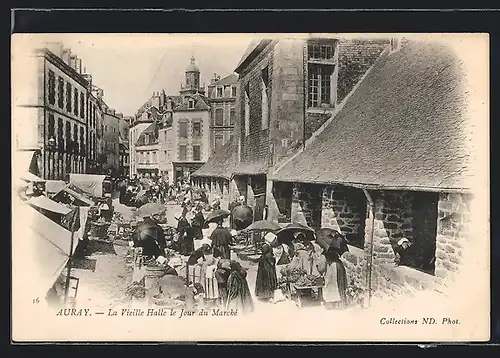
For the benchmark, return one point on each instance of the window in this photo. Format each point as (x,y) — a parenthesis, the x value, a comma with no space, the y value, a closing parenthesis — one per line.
(232,116)
(196,129)
(182,152)
(82,105)
(69,91)
(196,152)
(146,139)
(75,138)
(183,132)
(190,104)
(51,126)
(219,142)
(52,87)
(60,90)
(68,136)
(247,110)
(319,84)
(75,102)
(265,103)
(82,141)
(60,133)
(154,157)
(321,79)
(219,92)
(219,117)
(233,91)
(320,51)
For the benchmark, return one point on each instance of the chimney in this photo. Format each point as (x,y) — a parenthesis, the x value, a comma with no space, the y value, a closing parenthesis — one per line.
(73,60)
(66,56)
(395,44)
(79,65)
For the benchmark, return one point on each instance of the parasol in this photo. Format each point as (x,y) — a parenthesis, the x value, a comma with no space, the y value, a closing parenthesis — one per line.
(151,209)
(217,215)
(331,239)
(242,216)
(264,225)
(286,235)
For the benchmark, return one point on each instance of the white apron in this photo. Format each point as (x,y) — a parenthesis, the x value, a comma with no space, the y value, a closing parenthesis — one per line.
(331,289)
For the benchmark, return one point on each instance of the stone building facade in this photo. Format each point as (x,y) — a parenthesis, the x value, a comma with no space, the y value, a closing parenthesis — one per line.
(405,215)
(222,96)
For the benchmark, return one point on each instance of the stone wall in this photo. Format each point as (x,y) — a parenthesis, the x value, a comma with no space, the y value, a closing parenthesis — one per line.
(452,233)
(344,209)
(307,204)
(255,146)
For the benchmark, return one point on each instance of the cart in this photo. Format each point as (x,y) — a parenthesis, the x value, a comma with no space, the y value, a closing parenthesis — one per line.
(307,295)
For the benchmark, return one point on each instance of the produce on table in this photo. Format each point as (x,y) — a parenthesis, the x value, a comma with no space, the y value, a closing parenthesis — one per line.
(309,281)
(292,274)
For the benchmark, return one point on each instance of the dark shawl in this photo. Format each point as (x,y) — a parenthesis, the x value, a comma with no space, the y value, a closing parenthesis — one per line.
(238,294)
(221,239)
(284,259)
(197,225)
(267,280)
(195,256)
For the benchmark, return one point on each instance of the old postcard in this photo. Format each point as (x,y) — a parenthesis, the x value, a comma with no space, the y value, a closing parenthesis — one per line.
(250,187)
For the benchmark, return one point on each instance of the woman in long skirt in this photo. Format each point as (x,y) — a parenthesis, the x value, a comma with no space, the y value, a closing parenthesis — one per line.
(238,294)
(267,281)
(334,291)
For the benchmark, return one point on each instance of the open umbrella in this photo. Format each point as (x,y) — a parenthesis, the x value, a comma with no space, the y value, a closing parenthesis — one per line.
(331,239)
(286,235)
(264,225)
(242,216)
(217,215)
(151,209)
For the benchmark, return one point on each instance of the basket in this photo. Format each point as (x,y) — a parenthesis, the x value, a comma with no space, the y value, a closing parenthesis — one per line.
(155,271)
(99,230)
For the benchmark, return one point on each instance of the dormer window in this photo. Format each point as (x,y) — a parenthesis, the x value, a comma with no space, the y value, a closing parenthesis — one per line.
(233,91)
(190,104)
(220,92)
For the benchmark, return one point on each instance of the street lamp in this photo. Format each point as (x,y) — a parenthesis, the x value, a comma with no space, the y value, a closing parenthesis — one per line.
(51,142)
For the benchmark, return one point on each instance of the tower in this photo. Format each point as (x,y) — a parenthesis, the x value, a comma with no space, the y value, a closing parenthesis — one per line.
(192,82)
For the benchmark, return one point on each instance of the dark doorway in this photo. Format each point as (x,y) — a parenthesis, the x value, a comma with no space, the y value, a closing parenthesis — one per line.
(421,255)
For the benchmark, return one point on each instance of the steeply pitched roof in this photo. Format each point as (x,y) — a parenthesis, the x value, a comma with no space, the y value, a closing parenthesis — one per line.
(200,104)
(228,80)
(405,126)
(151,130)
(254,45)
(220,164)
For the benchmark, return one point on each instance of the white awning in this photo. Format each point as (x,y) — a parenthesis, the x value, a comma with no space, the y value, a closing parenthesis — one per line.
(45,203)
(40,250)
(30,177)
(90,183)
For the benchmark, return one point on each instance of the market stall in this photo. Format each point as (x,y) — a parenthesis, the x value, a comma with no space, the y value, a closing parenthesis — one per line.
(41,250)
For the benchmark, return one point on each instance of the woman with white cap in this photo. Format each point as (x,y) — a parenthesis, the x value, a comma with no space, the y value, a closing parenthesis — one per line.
(207,273)
(267,281)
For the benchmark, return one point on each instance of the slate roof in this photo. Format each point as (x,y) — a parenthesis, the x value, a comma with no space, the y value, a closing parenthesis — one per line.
(151,129)
(220,164)
(228,80)
(405,126)
(201,104)
(250,168)
(254,45)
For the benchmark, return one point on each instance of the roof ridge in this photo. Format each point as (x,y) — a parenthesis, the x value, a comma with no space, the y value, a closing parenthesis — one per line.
(334,114)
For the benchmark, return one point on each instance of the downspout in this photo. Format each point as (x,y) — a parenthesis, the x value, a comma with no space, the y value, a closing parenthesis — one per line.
(372,229)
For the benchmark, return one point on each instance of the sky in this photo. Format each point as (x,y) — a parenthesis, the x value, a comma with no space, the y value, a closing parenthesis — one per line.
(130,67)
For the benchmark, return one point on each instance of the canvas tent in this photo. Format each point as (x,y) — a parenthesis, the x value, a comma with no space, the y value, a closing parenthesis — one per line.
(41,249)
(54,186)
(90,183)
(79,195)
(42,202)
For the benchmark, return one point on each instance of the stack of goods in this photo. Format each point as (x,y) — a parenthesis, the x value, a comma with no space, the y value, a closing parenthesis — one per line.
(136,291)
(173,293)
(310,281)
(291,275)
(99,229)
